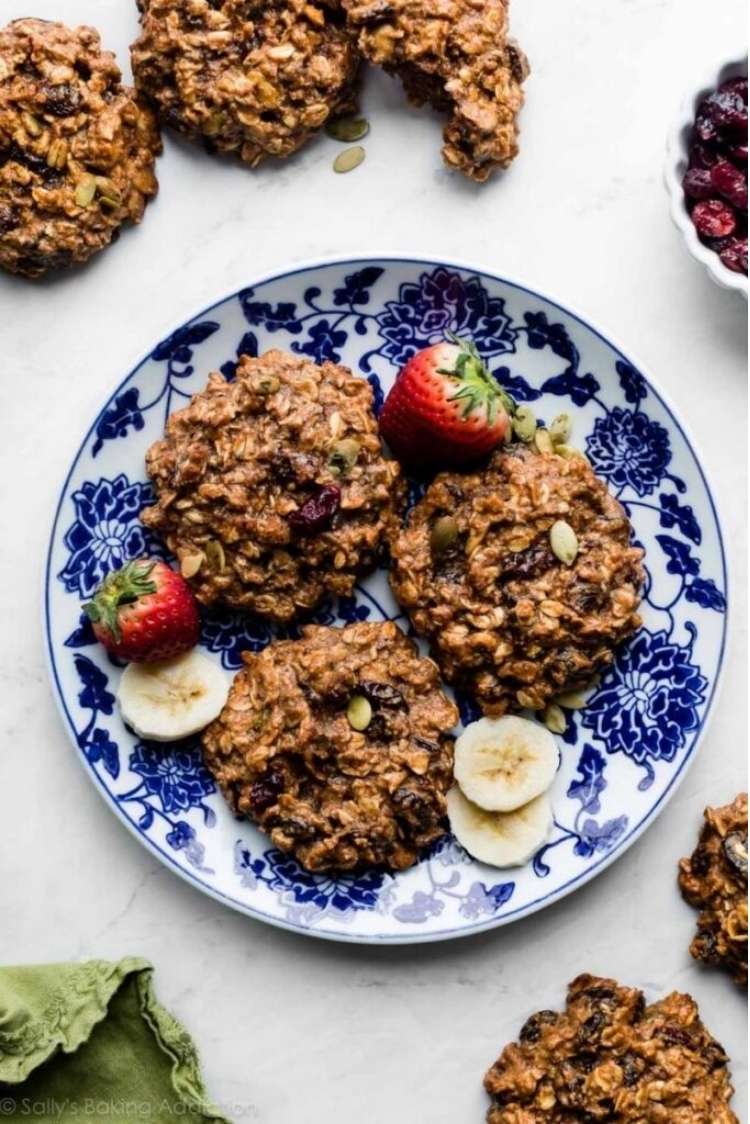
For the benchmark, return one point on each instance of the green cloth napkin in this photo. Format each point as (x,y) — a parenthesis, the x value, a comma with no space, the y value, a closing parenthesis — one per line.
(90,1040)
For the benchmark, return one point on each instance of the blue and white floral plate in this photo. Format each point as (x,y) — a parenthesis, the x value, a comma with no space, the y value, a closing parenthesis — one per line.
(622,757)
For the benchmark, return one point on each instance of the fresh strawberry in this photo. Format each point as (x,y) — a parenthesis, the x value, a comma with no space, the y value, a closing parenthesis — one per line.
(144,612)
(445,408)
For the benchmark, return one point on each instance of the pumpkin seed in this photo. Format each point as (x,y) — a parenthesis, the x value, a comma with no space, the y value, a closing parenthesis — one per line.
(190,564)
(359,712)
(554,719)
(569,452)
(349,159)
(348,129)
(268,385)
(571,700)
(543,441)
(561,429)
(109,192)
(343,455)
(564,542)
(524,423)
(215,555)
(85,191)
(444,532)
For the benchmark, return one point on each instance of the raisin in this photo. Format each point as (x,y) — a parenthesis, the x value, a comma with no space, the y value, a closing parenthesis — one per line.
(415,808)
(382,694)
(713,218)
(700,863)
(265,792)
(316,514)
(676,1036)
(531,1031)
(296,828)
(729,182)
(378,729)
(592,1026)
(697,183)
(527,564)
(631,1070)
(61,101)
(9,219)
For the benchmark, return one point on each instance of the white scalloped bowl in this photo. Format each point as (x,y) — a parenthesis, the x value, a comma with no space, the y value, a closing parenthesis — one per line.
(678,143)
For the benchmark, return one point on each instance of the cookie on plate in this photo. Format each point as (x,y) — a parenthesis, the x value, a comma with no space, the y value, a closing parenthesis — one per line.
(272,488)
(337,745)
(517,608)
(714,880)
(456,56)
(254,78)
(77,148)
(609,1057)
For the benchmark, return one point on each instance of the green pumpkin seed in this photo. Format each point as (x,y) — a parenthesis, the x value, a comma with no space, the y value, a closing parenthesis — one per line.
(343,455)
(564,542)
(444,532)
(554,719)
(543,441)
(268,385)
(561,429)
(524,423)
(571,700)
(359,712)
(350,159)
(348,129)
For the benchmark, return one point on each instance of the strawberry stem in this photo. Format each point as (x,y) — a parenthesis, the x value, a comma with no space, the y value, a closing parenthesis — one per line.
(121,587)
(477,389)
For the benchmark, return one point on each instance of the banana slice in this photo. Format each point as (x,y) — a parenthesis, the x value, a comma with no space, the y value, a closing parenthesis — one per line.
(500,838)
(164,702)
(503,763)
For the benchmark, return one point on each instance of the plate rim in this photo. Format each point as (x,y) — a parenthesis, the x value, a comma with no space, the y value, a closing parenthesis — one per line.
(567,888)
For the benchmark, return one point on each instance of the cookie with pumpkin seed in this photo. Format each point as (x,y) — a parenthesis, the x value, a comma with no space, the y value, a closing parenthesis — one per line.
(522,576)
(338,745)
(272,488)
(77,148)
(255,78)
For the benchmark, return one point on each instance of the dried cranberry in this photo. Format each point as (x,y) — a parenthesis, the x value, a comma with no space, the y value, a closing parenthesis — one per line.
(728,111)
(697,183)
(316,514)
(61,101)
(705,127)
(702,156)
(731,183)
(734,254)
(265,792)
(735,86)
(713,218)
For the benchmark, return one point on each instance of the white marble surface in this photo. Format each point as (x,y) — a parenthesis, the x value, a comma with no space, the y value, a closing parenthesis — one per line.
(295,1029)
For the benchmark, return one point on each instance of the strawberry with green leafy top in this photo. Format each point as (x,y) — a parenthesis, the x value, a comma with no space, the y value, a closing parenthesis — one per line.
(445,408)
(144,612)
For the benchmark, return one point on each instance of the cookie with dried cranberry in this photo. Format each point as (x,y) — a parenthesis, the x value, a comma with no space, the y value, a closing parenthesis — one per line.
(338,746)
(521,575)
(77,148)
(255,78)
(272,489)
(714,880)
(609,1057)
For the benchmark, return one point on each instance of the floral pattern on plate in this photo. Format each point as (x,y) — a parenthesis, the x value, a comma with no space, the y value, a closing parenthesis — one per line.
(622,755)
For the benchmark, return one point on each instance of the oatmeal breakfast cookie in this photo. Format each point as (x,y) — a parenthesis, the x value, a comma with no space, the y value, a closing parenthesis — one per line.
(337,746)
(77,148)
(252,77)
(476,570)
(456,56)
(608,1057)
(272,488)
(714,880)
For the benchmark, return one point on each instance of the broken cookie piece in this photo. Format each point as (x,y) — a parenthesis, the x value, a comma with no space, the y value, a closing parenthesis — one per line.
(456,56)
(714,880)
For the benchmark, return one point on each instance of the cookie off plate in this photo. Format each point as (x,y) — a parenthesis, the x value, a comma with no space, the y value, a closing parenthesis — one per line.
(622,756)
